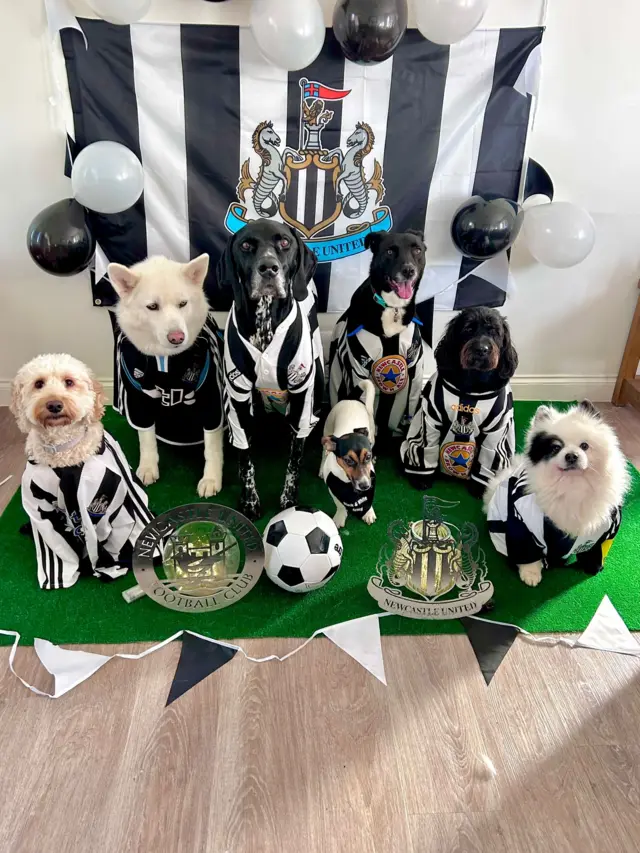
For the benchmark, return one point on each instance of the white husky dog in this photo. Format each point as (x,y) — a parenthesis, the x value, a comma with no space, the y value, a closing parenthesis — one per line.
(169,362)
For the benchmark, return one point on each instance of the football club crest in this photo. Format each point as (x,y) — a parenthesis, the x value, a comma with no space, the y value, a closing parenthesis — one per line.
(456,458)
(430,568)
(389,373)
(311,186)
(275,400)
(197,558)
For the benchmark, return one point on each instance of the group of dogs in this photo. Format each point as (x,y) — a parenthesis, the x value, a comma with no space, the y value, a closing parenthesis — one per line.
(179,380)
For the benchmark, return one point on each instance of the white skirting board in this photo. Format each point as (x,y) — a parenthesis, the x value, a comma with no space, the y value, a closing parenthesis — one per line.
(598,389)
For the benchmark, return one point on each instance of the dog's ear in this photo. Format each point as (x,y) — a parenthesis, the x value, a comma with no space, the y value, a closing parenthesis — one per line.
(543,413)
(416,233)
(362,431)
(330,443)
(227,278)
(373,239)
(196,270)
(508,363)
(588,408)
(447,352)
(16,407)
(123,279)
(305,268)
(99,399)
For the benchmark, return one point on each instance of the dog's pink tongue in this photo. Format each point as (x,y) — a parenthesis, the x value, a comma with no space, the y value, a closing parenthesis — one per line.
(404,289)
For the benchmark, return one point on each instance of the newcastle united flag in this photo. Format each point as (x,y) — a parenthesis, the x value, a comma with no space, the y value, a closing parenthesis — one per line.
(335,151)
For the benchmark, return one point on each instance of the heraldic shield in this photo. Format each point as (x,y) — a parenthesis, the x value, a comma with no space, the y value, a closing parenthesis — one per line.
(320,168)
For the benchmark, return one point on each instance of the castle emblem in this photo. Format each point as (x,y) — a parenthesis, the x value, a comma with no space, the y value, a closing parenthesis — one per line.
(331,196)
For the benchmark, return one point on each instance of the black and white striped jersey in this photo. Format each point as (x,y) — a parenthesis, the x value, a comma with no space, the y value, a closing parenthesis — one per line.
(85,518)
(284,374)
(181,395)
(520,530)
(466,435)
(396,365)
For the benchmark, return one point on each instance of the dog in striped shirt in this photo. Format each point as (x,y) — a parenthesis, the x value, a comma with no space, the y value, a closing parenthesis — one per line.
(85,505)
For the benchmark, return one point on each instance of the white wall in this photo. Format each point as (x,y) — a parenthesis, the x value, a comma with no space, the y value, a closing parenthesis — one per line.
(569,326)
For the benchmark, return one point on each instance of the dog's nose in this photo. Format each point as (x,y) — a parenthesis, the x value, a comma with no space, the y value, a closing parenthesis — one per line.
(176,337)
(362,485)
(571,458)
(55,407)
(482,348)
(408,271)
(268,269)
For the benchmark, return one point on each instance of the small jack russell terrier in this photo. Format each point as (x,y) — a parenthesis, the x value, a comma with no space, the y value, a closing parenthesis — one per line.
(347,460)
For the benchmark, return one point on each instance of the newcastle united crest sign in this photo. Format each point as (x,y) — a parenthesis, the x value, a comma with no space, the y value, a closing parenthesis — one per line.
(198,557)
(430,568)
(311,187)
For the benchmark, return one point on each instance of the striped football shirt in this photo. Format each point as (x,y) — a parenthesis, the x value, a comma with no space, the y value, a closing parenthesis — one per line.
(520,530)
(467,435)
(85,518)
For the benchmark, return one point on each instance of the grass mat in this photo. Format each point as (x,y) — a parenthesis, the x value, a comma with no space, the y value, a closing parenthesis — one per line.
(95,612)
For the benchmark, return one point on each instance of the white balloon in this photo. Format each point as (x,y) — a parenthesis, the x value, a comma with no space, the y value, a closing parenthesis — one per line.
(120,11)
(107,177)
(290,33)
(559,234)
(448,21)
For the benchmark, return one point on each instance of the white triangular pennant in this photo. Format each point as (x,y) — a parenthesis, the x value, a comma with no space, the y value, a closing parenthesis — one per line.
(360,638)
(101,263)
(608,632)
(69,667)
(61,17)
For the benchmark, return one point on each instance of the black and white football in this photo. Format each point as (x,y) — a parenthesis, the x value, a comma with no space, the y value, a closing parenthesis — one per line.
(302,548)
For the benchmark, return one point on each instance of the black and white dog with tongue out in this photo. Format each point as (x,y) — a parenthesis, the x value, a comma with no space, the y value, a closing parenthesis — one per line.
(272,347)
(379,337)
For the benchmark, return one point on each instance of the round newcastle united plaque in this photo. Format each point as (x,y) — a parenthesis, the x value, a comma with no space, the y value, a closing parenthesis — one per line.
(198,557)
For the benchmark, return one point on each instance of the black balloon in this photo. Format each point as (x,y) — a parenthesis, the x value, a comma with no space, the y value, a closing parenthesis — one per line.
(482,228)
(369,31)
(59,239)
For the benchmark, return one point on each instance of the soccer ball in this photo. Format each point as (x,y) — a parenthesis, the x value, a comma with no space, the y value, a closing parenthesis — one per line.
(303,549)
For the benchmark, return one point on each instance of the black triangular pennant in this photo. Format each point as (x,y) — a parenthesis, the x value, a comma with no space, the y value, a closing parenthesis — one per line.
(198,659)
(490,641)
(537,181)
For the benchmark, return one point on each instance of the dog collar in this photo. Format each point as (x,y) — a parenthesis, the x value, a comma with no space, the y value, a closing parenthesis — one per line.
(377,298)
(66,445)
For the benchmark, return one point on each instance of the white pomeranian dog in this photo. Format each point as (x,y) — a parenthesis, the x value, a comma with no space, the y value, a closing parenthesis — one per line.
(562,497)
(169,381)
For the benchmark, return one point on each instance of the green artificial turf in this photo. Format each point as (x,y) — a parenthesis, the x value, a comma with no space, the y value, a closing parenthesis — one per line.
(95,612)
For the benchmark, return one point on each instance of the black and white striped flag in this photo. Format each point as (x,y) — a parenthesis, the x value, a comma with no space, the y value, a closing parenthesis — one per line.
(336,150)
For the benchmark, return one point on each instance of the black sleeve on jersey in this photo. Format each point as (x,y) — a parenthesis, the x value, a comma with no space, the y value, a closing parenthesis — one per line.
(522,546)
(209,395)
(140,406)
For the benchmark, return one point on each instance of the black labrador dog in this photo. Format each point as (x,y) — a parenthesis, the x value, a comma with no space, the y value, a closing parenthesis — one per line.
(272,345)
(379,336)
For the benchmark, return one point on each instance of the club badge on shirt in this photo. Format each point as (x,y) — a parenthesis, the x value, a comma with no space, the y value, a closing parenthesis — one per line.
(275,400)
(390,373)
(456,458)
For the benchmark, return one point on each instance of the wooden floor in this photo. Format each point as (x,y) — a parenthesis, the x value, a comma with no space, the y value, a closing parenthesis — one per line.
(315,756)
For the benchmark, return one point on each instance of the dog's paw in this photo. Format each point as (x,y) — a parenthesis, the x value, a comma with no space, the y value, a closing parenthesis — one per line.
(249,505)
(422,484)
(340,519)
(369,517)
(148,474)
(531,574)
(287,500)
(209,486)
